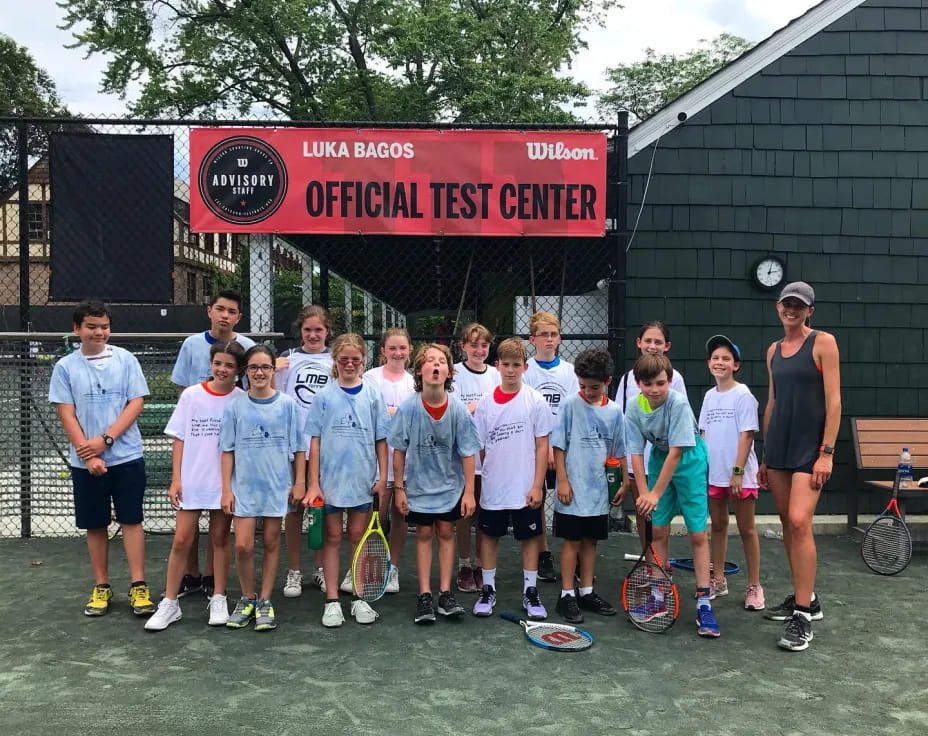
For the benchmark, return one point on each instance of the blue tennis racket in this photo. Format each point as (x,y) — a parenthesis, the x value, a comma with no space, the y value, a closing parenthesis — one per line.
(556,637)
(686,563)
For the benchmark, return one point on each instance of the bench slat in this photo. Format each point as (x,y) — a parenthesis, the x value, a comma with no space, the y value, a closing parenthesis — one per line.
(899,424)
(903,439)
(877,448)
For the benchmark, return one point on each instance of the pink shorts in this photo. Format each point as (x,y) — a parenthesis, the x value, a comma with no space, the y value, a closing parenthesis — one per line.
(725,492)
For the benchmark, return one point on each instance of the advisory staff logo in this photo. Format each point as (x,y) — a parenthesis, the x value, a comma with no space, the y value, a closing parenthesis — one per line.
(242,180)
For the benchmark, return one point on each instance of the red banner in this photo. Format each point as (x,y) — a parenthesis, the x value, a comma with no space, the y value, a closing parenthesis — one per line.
(404,182)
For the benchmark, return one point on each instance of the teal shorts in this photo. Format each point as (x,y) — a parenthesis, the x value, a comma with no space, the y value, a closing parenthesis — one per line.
(688,490)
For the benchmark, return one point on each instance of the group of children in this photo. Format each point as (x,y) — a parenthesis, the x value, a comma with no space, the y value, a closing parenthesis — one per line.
(444,448)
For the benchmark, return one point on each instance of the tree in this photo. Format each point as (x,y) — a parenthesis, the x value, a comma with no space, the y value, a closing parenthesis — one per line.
(324,60)
(27,90)
(646,86)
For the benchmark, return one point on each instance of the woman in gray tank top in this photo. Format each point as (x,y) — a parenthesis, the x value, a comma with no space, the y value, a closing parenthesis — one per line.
(800,429)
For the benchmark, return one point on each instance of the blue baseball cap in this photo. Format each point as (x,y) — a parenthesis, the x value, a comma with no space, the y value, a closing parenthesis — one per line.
(720,340)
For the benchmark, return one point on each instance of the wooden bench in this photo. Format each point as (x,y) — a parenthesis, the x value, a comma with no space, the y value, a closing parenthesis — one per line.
(877,444)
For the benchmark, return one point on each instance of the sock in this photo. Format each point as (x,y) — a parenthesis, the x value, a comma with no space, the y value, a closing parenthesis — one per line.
(170,601)
(565,593)
(813,598)
(102,585)
(136,582)
(702,598)
(586,591)
(331,600)
(804,611)
(529,579)
(489,578)
(463,562)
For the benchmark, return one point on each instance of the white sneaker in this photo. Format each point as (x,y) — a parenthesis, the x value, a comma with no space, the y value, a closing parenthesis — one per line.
(363,613)
(293,588)
(332,615)
(319,579)
(218,610)
(347,585)
(393,582)
(168,612)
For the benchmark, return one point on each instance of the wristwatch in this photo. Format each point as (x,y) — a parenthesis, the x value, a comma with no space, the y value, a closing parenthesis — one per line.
(107,440)
(737,471)
(827,449)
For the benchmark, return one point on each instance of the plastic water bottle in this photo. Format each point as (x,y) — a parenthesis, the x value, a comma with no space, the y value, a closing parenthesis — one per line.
(613,476)
(905,469)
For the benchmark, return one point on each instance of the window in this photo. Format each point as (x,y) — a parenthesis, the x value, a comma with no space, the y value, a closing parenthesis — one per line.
(191,287)
(38,227)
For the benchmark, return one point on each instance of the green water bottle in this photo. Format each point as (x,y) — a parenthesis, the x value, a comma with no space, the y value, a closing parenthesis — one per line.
(315,536)
(613,476)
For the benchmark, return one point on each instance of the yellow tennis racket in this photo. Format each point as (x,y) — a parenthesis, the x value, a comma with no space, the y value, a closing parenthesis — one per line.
(370,565)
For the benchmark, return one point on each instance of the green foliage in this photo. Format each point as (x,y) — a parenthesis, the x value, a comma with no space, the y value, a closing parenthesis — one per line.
(646,86)
(26,90)
(319,60)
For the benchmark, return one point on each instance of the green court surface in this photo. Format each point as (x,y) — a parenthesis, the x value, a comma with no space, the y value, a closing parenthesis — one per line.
(65,673)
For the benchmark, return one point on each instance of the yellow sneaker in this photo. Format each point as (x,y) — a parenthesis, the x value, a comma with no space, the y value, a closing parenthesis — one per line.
(99,602)
(140,600)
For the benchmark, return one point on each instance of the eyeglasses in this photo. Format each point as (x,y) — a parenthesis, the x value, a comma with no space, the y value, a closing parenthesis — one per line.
(547,335)
(259,368)
(349,361)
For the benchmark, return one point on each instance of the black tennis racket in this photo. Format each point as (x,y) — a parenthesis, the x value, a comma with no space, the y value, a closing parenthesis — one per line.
(887,545)
(649,595)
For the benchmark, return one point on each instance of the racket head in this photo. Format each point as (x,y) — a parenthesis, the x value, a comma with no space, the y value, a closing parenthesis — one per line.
(649,596)
(887,544)
(554,637)
(370,564)
(686,563)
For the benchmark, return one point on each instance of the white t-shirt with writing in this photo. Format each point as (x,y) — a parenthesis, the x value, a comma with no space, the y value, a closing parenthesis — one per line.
(394,393)
(196,421)
(305,376)
(470,386)
(507,432)
(556,383)
(722,419)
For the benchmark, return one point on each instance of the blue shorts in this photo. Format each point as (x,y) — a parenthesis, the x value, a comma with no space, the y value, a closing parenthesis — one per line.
(120,489)
(364,507)
(526,522)
(688,490)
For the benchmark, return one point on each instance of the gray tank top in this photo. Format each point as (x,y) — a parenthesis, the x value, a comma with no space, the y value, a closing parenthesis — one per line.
(797,424)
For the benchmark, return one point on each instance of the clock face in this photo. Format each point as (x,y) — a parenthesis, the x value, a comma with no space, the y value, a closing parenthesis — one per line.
(769,272)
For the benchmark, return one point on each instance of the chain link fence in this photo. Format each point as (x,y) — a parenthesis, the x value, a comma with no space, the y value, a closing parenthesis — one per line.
(107,233)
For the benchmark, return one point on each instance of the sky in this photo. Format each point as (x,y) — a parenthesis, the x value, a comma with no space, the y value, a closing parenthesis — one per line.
(668,26)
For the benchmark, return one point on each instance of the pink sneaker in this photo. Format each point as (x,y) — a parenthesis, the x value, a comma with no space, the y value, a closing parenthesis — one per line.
(466,580)
(717,588)
(754,598)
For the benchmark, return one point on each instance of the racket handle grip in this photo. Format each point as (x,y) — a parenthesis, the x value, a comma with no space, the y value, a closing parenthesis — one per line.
(509,617)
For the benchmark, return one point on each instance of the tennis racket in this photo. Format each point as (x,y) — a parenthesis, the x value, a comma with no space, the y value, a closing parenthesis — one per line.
(649,596)
(686,563)
(370,565)
(887,545)
(556,637)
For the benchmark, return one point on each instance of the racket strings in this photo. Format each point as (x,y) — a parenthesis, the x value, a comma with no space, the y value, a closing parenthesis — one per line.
(373,568)
(887,546)
(649,598)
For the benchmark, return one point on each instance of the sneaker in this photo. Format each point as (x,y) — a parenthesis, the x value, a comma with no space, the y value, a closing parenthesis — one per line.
(265,620)
(332,615)
(209,585)
(717,588)
(797,634)
(99,602)
(754,598)
(466,580)
(218,610)
(534,611)
(425,613)
(190,584)
(362,612)
(319,579)
(569,610)
(293,588)
(546,568)
(347,584)
(140,600)
(393,582)
(448,606)
(787,608)
(595,603)
(706,625)
(478,579)
(243,613)
(650,609)
(168,612)
(485,601)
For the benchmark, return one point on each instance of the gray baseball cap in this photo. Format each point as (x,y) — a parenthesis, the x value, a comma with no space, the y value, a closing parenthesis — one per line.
(719,340)
(798,290)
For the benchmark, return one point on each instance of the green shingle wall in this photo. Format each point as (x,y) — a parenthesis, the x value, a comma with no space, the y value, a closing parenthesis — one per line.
(821,158)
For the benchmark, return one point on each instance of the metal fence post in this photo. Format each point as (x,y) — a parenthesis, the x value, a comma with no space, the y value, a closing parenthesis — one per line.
(25,325)
(616,243)
(261,282)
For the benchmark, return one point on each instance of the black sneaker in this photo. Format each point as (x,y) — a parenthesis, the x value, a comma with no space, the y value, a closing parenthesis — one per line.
(788,607)
(568,609)
(546,568)
(797,635)
(190,584)
(448,606)
(593,602)
(209,585)
(425,613)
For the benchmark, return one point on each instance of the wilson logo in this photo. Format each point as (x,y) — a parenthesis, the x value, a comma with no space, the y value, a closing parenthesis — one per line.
(560,637)
(538,151)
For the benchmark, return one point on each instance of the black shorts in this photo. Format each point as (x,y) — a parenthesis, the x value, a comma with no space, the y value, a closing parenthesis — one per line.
(526,523)
(423,518)
(122,485)
(805,468)
(576,528)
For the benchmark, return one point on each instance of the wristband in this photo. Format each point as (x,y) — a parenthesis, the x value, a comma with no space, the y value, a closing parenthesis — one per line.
(827,450)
